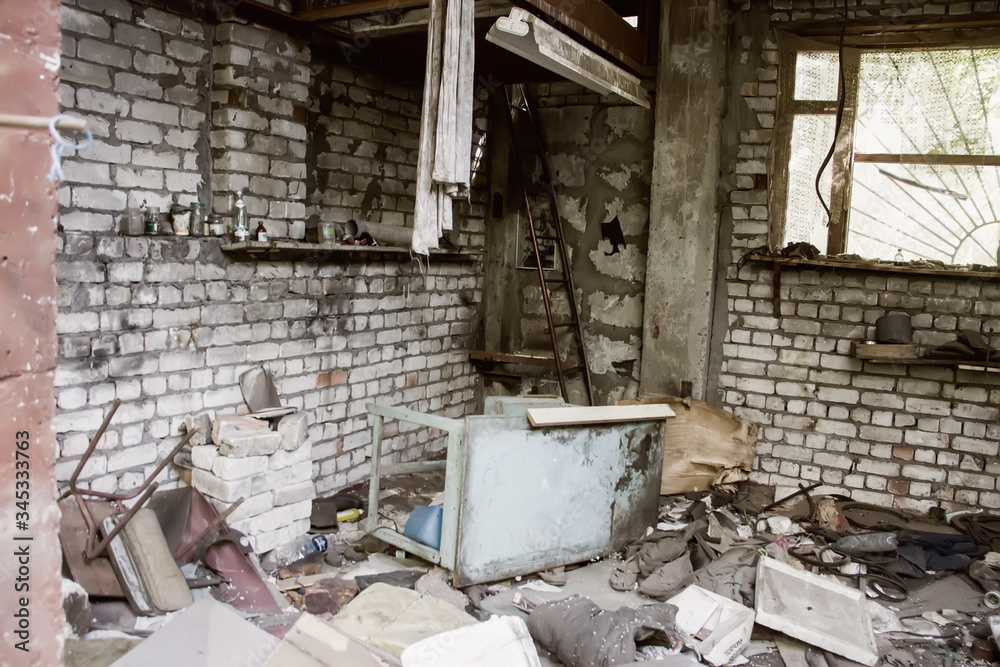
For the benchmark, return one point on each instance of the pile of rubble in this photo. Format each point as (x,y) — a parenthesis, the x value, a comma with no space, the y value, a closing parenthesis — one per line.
(726,577)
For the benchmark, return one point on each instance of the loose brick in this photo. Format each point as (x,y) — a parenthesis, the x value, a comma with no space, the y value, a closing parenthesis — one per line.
(262,444)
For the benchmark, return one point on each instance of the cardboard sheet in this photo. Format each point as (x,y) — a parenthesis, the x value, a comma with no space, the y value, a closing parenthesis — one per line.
(720,627)
(700,442)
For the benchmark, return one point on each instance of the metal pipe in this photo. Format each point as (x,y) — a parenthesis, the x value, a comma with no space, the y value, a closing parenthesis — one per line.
(41,122)
(387,234)
(128,495)
(90,448)
(802,490)
(209,529)
(121,523)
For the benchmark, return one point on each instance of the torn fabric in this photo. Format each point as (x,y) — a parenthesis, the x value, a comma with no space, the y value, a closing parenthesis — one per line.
(444,166)
(582,634)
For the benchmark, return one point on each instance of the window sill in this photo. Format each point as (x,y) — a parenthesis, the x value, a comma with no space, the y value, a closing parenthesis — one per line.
(832,263)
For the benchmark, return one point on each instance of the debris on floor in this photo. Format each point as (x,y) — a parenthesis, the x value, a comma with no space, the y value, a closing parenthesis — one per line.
(723,576)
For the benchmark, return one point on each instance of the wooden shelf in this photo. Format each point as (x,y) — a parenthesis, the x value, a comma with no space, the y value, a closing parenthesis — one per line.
(832,263)
(911,355)
(298,250)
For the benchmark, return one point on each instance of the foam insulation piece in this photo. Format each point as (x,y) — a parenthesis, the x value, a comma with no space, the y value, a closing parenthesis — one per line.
(502,641)
(392,618)
(816,610)
(207,633)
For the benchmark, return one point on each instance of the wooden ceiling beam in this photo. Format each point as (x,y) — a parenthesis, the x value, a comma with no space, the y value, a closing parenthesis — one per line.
(600,25)
(352,10)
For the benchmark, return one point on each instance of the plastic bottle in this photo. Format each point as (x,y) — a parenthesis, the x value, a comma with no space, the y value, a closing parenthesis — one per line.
(295,550)
(868,542)
(241,225)
(343,516)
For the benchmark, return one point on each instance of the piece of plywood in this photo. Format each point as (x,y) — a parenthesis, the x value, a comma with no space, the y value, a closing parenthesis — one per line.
(885,351)
(600,414)
(817,610)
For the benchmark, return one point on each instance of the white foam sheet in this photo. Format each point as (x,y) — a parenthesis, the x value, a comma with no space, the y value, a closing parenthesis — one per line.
(502,641)
(816,610)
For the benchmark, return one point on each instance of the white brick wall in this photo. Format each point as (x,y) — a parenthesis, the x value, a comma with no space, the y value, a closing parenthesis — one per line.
(910,436)
(168,324)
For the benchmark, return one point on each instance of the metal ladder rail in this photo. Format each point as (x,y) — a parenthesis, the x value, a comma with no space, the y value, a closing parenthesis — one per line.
(567,281)
(575,320)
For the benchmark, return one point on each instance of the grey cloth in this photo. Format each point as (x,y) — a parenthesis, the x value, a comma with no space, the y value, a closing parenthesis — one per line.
(668,580)
(985,576)
(582,634)
(732,575)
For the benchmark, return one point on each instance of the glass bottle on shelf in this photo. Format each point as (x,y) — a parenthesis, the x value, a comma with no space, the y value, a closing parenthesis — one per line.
(241,225)
(261,232)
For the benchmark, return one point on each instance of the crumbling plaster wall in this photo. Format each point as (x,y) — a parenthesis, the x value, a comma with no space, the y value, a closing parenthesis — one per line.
(32,623)
(189,107)
(600,152)
(907,436)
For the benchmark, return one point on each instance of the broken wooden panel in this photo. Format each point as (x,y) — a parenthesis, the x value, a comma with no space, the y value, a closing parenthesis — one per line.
(600,414)
(531,38)
(599,24)
(208,633)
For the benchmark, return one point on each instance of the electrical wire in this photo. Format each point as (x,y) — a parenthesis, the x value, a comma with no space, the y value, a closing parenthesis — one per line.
(929,188)
(841,102)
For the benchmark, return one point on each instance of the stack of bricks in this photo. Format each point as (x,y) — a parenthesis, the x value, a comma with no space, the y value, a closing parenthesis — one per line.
(271,470)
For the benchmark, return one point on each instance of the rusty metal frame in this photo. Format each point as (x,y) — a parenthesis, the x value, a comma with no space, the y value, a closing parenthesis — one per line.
(147,488)
(612,472)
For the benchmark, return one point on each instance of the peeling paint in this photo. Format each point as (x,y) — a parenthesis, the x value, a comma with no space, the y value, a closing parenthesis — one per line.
(632,120)
(603,353)
(569,125)
(633,217)
(622,392)
(620,179)
(51,62)
(625,311)
(628,264)
(574,211)
(568,170)
(532,298)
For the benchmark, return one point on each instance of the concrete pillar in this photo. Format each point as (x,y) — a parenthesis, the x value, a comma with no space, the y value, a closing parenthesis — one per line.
(30,582)
(684,199)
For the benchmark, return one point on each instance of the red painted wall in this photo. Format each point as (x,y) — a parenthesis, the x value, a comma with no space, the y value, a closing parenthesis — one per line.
(29,66)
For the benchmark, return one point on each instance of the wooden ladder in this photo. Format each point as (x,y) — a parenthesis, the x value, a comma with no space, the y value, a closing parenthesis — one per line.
(551,281)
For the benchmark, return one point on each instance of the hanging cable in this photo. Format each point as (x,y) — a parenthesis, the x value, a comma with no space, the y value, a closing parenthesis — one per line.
(62,146)
(929,188)
(842,94)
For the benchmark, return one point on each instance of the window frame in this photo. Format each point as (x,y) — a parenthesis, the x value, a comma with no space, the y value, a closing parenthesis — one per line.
(860,37)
